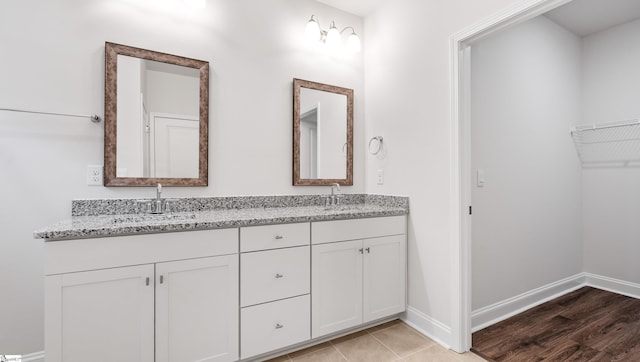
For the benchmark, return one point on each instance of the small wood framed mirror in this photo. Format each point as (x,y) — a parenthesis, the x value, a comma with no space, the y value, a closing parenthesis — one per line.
(156,118)
(322,134)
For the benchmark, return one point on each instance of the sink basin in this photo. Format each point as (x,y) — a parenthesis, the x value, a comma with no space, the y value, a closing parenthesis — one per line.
(344,208)
(152,217)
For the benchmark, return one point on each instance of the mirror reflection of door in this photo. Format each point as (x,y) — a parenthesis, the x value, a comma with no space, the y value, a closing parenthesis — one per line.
(325,158)
(309,143)
(173,146)
(158,119)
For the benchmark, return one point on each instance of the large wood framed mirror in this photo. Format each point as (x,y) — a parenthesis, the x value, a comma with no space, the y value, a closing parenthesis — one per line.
(322,134)
(156,118)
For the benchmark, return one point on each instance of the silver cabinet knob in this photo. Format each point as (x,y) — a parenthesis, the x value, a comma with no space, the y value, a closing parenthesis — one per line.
(368,250)
(279,326)
(278,276)
(361,251)
(279,237)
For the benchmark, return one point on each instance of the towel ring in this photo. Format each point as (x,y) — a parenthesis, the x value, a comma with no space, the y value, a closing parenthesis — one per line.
(377,146)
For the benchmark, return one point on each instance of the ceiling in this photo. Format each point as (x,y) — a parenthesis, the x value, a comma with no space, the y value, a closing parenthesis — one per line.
(357,7)
(582,17)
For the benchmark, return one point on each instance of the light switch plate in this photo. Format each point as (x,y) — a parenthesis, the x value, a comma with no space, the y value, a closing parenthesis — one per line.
(480,178)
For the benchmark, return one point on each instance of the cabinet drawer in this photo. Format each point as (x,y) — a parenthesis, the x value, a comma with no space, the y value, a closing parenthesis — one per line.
(68,256)
(340,230)
(274,274)
(275,325)
(265,237)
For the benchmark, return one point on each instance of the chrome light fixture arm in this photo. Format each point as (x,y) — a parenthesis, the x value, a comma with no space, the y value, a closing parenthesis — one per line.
(315,33)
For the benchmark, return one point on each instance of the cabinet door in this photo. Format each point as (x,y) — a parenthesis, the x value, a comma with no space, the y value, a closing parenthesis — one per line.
(197,310)
(336,287)
(384,277)
(102,315)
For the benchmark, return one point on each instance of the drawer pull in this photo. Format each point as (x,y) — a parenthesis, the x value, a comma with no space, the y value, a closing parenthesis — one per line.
(147,281)
(368,250)
(278,276)
(161,279)
(279,237)
(361,251)
(279,326)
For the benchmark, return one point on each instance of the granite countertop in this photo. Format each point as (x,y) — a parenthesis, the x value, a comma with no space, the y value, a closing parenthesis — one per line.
(87,226)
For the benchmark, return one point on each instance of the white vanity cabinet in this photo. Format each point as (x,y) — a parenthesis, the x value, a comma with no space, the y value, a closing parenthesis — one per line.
(220,295)
(127,298)
(274,287)
(358,272)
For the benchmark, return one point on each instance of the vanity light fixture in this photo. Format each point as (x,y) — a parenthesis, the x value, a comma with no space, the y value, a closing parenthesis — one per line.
(332,37)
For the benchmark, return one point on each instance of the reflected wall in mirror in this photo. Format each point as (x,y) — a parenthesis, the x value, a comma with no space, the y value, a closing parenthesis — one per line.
(322,134)
(156,118)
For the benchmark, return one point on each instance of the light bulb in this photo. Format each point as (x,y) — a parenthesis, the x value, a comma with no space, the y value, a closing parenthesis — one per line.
(353,43)
(333,37)
(312,31)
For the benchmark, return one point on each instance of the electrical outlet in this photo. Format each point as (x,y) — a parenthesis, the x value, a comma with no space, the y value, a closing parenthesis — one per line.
(94,175)
(380,177)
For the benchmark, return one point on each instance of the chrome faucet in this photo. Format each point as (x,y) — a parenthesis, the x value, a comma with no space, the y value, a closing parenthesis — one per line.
(157,206)
(159,203)
(334,198)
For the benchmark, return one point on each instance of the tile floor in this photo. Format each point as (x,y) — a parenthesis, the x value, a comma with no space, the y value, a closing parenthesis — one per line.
(393,341)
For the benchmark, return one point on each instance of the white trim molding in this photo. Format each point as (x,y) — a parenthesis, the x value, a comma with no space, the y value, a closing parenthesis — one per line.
(429,326)
(33,357)
(613,285)
(494,313)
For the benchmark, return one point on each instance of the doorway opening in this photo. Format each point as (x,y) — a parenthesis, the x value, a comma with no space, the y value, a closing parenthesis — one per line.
(462,174)
(568,68)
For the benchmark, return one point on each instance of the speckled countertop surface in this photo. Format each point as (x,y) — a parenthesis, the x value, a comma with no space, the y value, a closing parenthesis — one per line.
(101,225)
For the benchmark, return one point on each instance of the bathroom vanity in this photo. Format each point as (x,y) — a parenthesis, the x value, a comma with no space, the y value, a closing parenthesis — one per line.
(221,283)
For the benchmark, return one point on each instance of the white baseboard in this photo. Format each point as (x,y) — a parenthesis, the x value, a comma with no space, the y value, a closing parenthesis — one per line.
(430,327)
(33,357)
(613,285)
(494,313)
(486,316)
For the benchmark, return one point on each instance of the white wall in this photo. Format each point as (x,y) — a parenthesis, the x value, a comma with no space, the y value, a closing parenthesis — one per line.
(407,89)
(525,96)
(171,93)
(612,195)
(53,60)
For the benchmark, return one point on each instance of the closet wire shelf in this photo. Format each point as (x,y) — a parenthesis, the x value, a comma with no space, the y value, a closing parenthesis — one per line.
(614,144)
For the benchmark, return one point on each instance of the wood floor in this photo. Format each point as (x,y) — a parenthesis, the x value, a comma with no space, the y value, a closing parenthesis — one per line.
(586,325)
